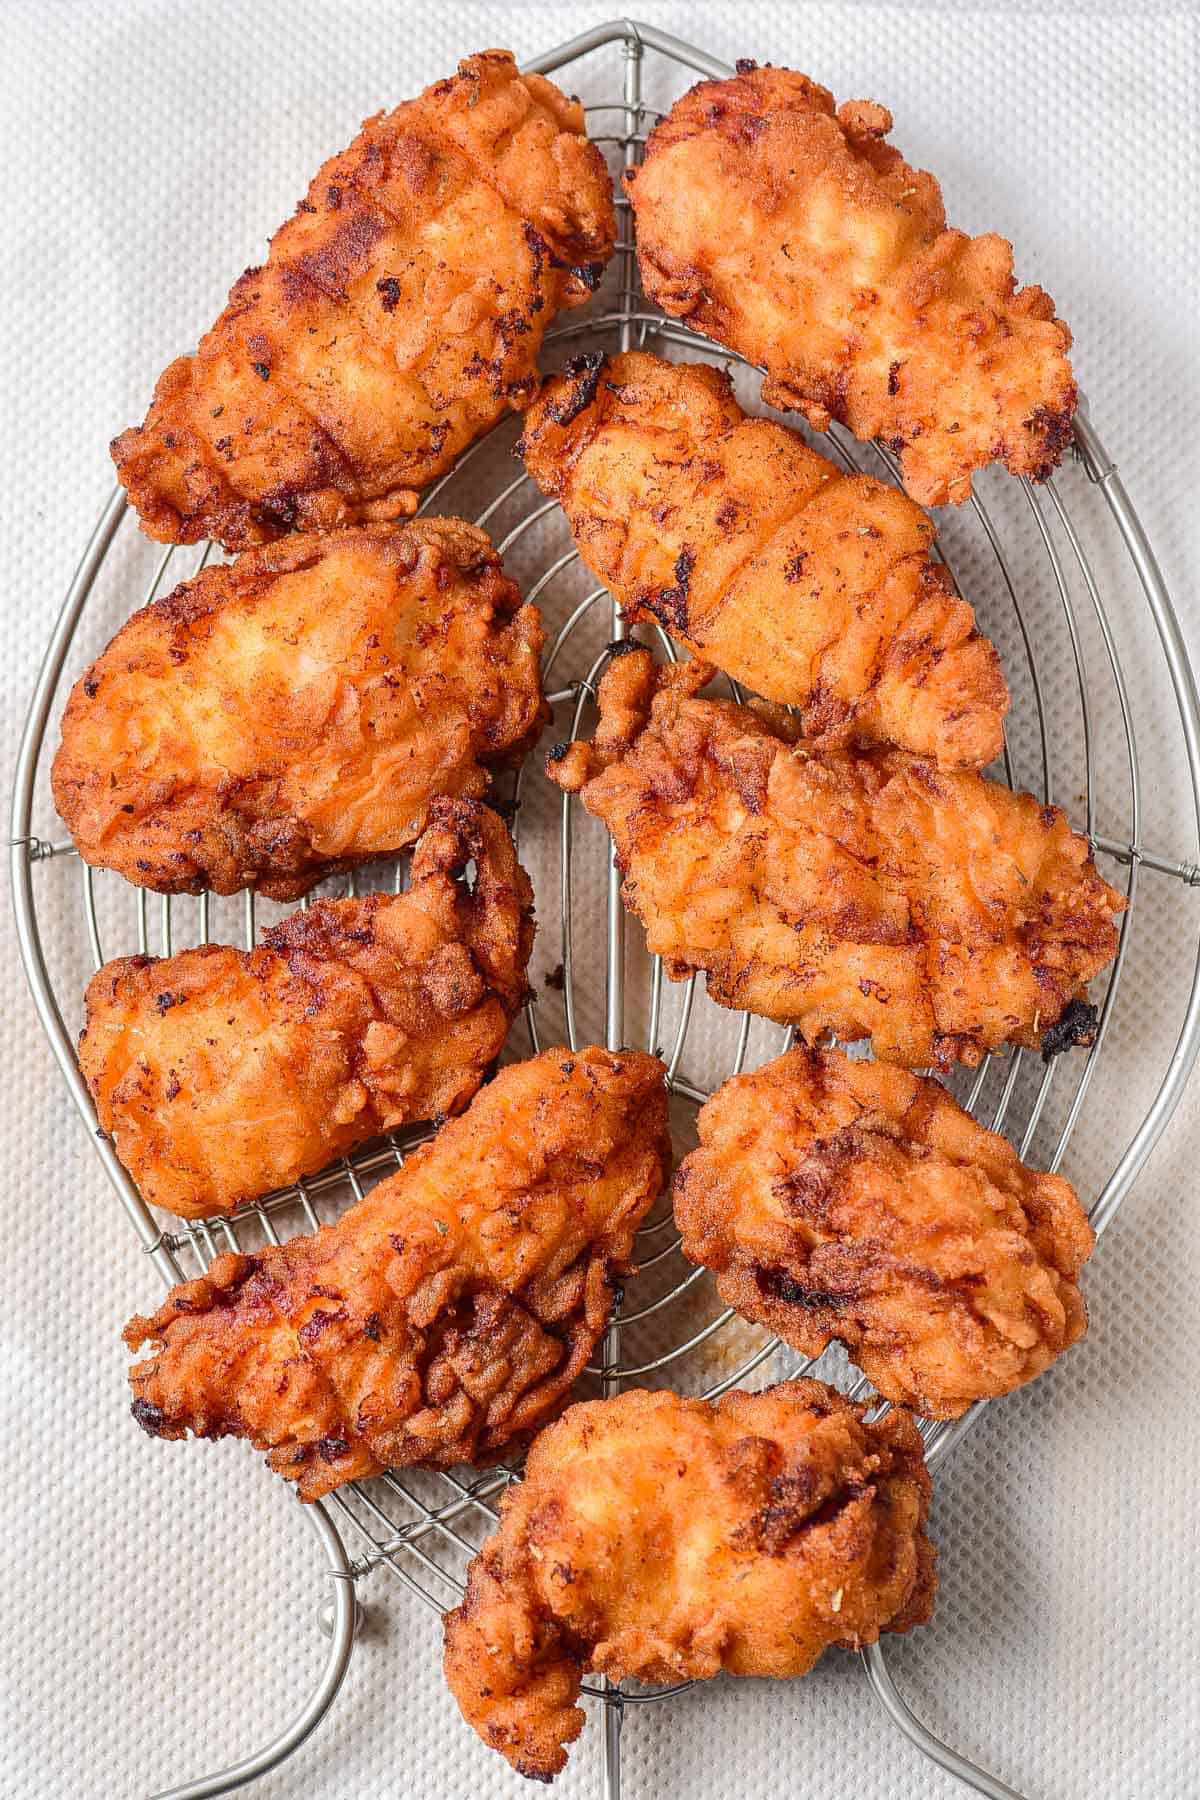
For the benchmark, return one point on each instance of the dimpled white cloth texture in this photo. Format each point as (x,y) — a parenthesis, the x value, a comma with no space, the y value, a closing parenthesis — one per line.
(160,1603)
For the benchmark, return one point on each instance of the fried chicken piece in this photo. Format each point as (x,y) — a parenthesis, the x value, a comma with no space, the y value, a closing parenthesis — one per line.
(399,313)
(444,1317)
(837,1198)
(798,237)
(222,1074)
(296,711)
(666,1539)
(812,587)
(864,893)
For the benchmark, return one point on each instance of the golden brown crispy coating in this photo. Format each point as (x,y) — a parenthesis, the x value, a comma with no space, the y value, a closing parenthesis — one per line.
(847,1199)
(400,311)
(667,1539)
(865,893)
(797,236)
(296,711)
(444,1317)
(814,588)
(221,1074)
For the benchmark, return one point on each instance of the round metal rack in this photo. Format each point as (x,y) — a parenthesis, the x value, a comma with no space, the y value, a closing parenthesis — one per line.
(1056,574)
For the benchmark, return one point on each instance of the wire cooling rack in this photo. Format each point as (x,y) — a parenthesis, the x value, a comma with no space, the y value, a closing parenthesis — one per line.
(1054,574)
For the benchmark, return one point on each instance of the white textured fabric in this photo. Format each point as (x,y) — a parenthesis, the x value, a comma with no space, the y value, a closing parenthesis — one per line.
(161,1602)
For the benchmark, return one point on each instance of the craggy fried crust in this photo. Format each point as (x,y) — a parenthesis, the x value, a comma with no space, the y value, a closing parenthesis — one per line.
(813,588)
(444,1317)
(221,1075)
(400,311)
(667,1539)
(297,710)
(846,1199)
(797,236)
(866,893)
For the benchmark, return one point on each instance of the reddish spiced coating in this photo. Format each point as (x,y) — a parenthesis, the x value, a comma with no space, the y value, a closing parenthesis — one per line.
(400,312)
(444,1317)
(667,1539)
(859,893)
(809,586)
(296,711)
(222,1074)
(793,233)
(839,1198)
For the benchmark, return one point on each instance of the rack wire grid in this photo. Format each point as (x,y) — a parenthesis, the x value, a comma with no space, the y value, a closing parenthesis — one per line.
(1051,572)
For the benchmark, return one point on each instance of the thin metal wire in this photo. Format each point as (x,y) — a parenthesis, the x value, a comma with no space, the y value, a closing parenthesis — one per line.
(422,1528)
(614,983)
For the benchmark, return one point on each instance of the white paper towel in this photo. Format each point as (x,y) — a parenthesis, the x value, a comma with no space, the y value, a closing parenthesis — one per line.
(161,1603)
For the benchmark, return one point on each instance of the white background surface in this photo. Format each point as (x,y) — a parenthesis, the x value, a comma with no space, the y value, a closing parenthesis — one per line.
(159,1604)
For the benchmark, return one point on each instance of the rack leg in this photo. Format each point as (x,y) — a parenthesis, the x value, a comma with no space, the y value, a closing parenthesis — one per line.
(344,1607)
(327,1616)
(897,1709)
(614,1718)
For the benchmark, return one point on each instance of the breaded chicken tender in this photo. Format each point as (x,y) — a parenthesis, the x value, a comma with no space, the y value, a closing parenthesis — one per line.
(664,1539)
(866,894)
(837,1198)
(221,1074)
(400,312)
(812,587)
(296,711)
(795,235)
(445,1316)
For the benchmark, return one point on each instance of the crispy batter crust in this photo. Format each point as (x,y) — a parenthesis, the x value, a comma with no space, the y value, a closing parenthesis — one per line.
(851,1200)
(668,1539)
(400,312)
(813,588)
(797,236)
(296,711)
(221,1075)
(444,1317)
(864,894)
